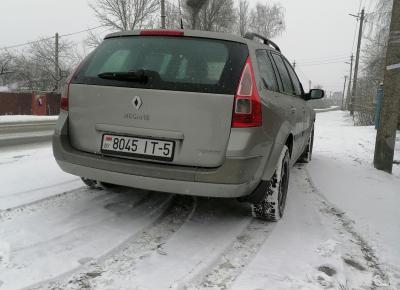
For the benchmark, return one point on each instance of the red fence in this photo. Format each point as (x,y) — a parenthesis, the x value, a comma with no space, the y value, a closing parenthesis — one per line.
(29,103)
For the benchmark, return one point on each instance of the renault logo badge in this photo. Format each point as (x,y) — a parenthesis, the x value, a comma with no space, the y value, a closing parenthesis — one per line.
(136,102)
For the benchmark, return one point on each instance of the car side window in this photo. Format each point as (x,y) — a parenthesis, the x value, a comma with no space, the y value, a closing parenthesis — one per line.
(266,70)
(286,82)
(295,80)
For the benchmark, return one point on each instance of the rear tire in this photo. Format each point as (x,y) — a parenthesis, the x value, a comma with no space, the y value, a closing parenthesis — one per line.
(307,154)
(272,206)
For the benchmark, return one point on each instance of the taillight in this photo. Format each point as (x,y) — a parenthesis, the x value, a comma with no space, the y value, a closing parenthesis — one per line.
(64,97)
(161,32)
(247,104)
(64,104)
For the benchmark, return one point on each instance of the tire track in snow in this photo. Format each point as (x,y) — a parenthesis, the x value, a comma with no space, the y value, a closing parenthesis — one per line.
(60,199)
(211,229)
(171,256)
(6,196)
(370,258)
(40,262)
(100,273)
(50,201)
(229,265)
(85,219)
(23,198)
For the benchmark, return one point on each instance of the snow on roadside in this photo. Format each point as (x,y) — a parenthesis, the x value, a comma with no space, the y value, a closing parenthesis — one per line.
(31,173)
(4,252)
(343,173)
(331,108)
(305,250)
(25,118)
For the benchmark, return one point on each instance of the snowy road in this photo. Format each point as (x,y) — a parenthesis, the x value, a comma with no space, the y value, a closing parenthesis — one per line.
(56,234)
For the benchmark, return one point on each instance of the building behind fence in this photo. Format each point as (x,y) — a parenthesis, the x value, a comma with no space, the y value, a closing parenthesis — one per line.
(29,103)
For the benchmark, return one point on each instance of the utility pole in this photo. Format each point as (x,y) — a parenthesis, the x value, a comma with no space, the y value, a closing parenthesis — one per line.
(309,85)
(294,65)
(180,13)
(350,78)
(163,14)
(56,61)
(344,89)
(354,92)
(386,135)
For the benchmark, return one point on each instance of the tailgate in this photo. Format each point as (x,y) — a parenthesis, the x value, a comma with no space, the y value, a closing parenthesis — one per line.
(184,94)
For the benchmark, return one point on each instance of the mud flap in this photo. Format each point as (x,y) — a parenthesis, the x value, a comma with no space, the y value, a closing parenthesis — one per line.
(257,195)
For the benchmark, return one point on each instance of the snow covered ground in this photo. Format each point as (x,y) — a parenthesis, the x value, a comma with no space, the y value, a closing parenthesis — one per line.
(341,229)
(331,108)
(25,118)
(342,170)
(30,173)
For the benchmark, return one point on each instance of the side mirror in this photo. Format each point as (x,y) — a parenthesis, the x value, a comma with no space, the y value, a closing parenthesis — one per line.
(314,94)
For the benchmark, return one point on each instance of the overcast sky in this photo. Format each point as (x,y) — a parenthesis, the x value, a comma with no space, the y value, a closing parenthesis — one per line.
(317,31)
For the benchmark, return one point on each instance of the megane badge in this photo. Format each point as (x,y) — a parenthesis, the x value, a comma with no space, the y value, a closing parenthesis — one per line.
(136,102)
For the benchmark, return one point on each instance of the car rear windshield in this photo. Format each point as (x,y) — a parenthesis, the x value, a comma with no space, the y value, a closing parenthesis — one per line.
(173,63)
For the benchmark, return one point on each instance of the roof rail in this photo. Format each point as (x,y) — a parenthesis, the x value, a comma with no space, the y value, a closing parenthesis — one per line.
(251,35)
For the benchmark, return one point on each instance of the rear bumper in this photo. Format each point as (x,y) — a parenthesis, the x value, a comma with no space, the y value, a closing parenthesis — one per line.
(157,184)
(234,178)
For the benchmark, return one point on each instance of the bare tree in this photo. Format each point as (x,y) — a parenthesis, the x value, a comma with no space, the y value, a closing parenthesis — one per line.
(173,15)
(268,19)
(25,72)
(124,14)
(243,17)
(93,39)
(373,61)
(374,51)
(35,67)
(211,15)
(6,63)
(217,15)
(193,8)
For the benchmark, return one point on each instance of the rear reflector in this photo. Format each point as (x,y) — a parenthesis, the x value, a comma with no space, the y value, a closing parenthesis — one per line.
(247,110)
(161,32)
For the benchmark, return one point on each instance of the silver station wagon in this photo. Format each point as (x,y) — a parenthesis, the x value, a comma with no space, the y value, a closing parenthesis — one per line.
(187,112)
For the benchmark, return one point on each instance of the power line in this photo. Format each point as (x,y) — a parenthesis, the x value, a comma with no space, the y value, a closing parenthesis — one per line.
(82,31)
(322,58)
(51,37)
(322,63)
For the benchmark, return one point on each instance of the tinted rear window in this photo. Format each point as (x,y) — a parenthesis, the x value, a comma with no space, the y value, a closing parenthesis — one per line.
(287,83)
(180,63)
(267,71)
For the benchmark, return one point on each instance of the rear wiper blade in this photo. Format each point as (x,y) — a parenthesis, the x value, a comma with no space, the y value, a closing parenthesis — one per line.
(131,76)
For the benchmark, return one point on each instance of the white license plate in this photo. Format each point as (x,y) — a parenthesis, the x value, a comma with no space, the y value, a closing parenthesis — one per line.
(138,147)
